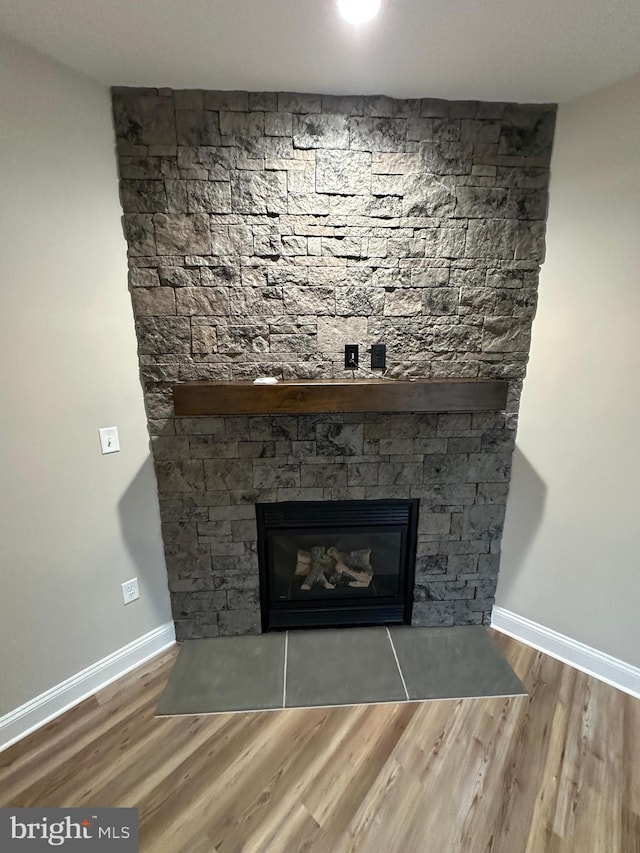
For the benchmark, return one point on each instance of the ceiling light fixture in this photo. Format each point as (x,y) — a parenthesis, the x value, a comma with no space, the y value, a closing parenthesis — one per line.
(359,11)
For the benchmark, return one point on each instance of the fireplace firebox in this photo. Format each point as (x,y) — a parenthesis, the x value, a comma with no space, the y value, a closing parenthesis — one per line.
(331,563)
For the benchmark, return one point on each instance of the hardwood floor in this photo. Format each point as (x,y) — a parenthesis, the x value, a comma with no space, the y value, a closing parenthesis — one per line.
(558,771)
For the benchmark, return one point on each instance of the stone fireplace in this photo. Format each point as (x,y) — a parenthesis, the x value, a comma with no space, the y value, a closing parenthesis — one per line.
(266,231)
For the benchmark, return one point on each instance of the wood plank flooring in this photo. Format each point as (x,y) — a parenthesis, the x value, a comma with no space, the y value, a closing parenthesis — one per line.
(556,772)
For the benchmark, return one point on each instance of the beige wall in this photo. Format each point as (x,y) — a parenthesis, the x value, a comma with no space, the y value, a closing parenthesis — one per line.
(571,558)
(73,524)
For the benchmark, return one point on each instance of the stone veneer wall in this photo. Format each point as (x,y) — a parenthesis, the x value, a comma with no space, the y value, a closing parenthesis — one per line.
(267,230)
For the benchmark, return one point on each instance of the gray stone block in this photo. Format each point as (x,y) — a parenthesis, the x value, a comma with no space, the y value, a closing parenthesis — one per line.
(489,564)
(208,447)
(458,564)
(228,101)
(446,158)
(487,519)
(499,440)
(456,339)
(362,474)
(444,242)
(178,277)
(148,168)
(188,99)
(377,134)
(185,604)
(240,339)
(440,301)
(257,449)
(323,476)
(255,302)
(241,124)
(467,444)
(472,611)
(204,340)
(208,197)
(492,493)
(400,473)
(320,131)
(432,614)
(179,475)
(227,474)
(159,335)
(273,476)
(506,239)
(278,124)
(179,235)
(483,203)
(296,102)
(303,342)
(259,192)
(488,468)
(203,301)
(444,468)
(446,590)
(504,334)
(143,196)
(355,300)
(430,564)
(265,101)
(402,302)
(153,302)
(339,439)
(144,119)
(170,447)
(527,130)
(139,234)
(310,300)
(343,172)
(176,197)
(435,522)
(383,106)
(143,278)
(197,127)
(477,301)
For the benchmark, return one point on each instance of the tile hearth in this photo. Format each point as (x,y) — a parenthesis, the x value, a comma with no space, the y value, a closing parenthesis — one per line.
(302,669)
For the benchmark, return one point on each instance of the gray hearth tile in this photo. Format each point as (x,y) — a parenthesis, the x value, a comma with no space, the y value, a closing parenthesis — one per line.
(442,663)
(226,674)
(341,667)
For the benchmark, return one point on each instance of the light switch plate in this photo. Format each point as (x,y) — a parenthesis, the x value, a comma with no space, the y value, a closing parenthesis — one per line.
(109,439)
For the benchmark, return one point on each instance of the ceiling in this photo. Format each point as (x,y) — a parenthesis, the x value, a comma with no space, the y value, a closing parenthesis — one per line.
(540,50)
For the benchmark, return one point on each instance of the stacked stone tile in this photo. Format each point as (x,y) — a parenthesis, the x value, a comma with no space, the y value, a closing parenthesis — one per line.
(265,231)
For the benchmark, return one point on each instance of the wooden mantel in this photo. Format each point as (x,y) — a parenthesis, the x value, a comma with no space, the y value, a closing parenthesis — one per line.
(339,395)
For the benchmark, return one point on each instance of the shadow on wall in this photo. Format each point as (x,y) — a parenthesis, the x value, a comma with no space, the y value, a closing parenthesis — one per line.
(140,525)
(525,509)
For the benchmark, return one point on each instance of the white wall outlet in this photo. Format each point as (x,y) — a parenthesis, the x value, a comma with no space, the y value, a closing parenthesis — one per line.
(130,591)
(109,439)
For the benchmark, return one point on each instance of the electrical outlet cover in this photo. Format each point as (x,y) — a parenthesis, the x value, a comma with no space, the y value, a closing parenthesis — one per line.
(130,591)
(378,356)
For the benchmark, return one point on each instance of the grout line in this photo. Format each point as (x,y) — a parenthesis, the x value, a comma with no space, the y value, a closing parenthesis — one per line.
(284,679)
(393,649)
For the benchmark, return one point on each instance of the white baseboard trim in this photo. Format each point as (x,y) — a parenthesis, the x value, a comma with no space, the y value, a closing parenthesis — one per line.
(47,706)
(600,665)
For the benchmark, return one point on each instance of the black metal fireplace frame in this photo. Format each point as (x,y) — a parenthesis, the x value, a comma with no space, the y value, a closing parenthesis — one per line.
(339,515)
